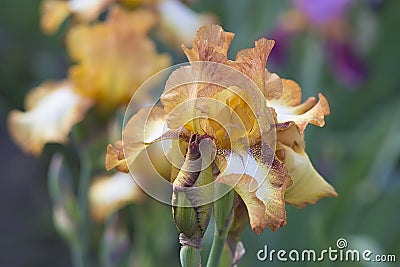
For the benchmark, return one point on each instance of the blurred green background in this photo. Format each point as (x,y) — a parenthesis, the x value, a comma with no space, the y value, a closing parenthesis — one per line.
(358,150)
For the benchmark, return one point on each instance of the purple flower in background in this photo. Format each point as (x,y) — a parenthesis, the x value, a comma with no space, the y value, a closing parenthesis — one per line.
(345,63)
(320,12)
(327,19)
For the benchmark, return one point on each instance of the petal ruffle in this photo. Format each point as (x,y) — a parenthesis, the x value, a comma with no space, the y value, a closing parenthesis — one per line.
(308,185)
(52,110)
(289,108)
(110,193)
(211,44)
(261,188)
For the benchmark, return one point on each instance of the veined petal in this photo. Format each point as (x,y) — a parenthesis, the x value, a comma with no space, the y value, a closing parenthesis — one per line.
(211,44)
(308,185)
(108,194)
(289,109)
(52,110)
(261,188)
(53,14)
(252,62)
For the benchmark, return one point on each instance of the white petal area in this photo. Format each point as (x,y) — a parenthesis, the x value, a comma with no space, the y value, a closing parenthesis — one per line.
(53,109)
(110,193)
(179,23)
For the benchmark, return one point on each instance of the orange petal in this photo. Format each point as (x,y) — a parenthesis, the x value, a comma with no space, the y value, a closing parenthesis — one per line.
(289,109)
(52,110)
(252,63)
(211,44)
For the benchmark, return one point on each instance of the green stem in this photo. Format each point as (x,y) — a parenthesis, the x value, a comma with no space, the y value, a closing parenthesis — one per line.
(190,256)
(223,213)
(217,248)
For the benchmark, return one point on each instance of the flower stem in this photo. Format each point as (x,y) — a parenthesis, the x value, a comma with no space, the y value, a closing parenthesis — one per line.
(223,213)
(216,249)
(190,256)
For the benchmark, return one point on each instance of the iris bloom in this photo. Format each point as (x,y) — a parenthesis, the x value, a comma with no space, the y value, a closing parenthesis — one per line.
(286,174)
(112,59)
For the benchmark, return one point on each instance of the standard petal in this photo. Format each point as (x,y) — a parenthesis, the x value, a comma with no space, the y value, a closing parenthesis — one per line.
(308,185)
(261,188)
(52,110)
(252,61)
(211,44)
(108,194)
(289,109)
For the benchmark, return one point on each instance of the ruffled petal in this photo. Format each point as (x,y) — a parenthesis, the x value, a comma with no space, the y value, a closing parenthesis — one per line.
(52,110)
(261,188)
(289,109)
(108,194)
(211,44)
(308,185)
(53,14)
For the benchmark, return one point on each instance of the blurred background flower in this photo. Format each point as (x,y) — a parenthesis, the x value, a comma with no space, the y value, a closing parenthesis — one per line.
(360,155)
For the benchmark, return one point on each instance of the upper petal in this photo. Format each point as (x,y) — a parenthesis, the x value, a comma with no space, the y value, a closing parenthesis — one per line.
(52,110)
